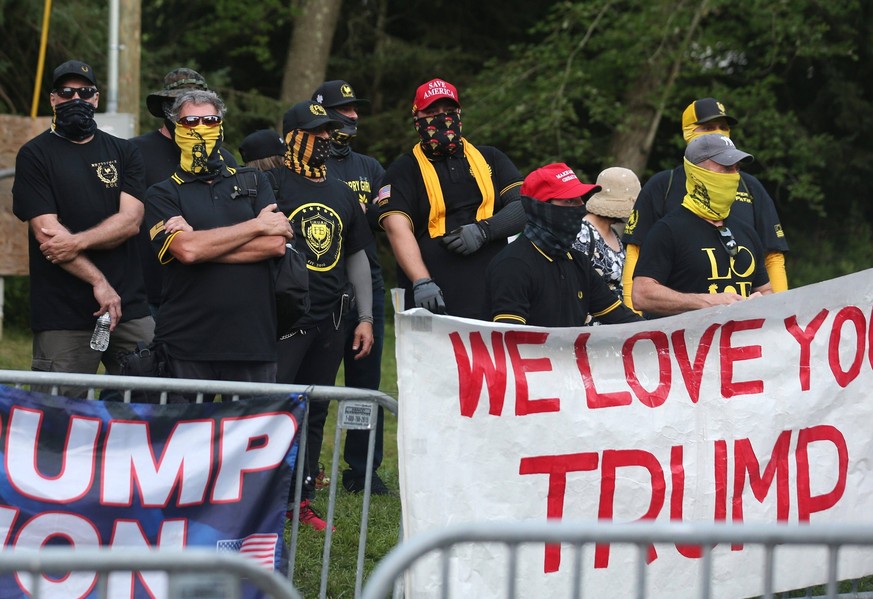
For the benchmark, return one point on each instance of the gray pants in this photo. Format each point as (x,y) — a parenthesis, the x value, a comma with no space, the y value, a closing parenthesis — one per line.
(70,351)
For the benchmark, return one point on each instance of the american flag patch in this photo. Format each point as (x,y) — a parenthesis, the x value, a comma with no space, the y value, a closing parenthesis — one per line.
(259,547)
(384,193)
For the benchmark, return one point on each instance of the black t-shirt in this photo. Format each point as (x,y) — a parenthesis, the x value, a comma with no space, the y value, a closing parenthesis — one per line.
(684,252)
(212,310)
(665,190)
(329,226)
(82,185)
(461,278)
(527,286)
(363,174)
(161,157)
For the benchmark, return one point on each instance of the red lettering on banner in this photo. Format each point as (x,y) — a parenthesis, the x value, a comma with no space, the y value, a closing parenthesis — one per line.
(804,338)
(731,354)
(677,498)
(745,461)
(692,374)
(613,459)
(557,467)
(721,470)
(656,398)
(477,368)
(746,466)
(807,504)
(521,366)
(853,315)
(595,398)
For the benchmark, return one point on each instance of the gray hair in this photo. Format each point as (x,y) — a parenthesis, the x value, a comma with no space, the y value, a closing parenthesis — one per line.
(197,97)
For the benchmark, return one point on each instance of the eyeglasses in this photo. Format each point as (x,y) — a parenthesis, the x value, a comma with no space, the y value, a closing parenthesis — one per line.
(728,241)
(212,120)
(67,93)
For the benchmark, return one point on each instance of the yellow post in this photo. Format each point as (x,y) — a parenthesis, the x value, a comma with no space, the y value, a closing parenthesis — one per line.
(43,42)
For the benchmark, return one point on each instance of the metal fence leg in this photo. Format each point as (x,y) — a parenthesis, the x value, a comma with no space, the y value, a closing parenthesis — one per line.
(298,491)
(331,506)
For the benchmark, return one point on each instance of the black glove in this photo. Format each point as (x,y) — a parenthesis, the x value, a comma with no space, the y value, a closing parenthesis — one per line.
(466,239)
(429,296)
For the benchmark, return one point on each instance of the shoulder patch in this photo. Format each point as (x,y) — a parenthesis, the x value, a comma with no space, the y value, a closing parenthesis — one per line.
(158,228)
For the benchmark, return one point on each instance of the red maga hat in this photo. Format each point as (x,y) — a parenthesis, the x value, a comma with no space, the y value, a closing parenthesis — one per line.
(556,182)
(433,90)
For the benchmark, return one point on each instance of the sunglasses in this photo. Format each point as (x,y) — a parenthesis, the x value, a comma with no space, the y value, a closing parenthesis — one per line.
(67,93)
(728,241)
(212,120)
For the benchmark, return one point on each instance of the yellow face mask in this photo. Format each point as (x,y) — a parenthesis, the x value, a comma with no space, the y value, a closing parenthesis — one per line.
(199,146)
(689,133)
(709,195)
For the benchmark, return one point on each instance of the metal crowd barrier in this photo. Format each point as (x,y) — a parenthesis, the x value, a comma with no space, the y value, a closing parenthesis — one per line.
(192,573)
(388,573)
(354,398)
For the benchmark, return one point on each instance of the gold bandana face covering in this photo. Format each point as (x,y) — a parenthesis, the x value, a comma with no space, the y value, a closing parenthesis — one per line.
(709,195)
(306,154)
(689,133)
(199,147)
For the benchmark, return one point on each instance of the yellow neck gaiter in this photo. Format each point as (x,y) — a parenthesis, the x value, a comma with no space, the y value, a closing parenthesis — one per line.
(689,133)
(199,147)
(709,195)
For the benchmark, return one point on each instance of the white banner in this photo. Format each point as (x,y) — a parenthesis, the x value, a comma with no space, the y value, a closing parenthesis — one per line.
(757,412)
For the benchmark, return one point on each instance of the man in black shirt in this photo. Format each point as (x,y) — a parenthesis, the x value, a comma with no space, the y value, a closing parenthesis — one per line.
(363,174)
(447,207)
(161,158)
(81,191)
(702,254)
(216,231)
(538,279)
(332,233)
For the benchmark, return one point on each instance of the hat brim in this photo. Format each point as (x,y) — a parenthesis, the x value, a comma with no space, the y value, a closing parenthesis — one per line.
(361,101)
(155,101)
(578,190)
(730,120)
(731,157)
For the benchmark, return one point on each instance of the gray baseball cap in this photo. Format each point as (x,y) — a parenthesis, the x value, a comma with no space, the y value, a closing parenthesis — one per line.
(718,148)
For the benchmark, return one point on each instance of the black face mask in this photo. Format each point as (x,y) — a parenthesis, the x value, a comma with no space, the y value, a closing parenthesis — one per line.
(74,120)
(552,228)
(341,139)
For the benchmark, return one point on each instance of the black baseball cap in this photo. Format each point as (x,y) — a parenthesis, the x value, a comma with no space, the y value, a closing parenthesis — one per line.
(705,110)
(306,115)
(261,144)
(336,93)
(73,68)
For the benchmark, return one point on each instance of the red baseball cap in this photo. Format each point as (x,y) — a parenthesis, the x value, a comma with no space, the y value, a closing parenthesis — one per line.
(433,90)
(556,182)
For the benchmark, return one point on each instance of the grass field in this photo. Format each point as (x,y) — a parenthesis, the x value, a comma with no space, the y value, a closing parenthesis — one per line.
(384,523)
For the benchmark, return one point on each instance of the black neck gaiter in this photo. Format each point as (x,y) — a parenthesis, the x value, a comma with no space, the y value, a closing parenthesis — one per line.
(74,120)
(341,139)
(552,228)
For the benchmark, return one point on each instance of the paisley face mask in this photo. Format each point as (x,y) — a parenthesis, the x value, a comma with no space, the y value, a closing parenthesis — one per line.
(306,154)
(199,147)
(74,120)
(440,134)
(709,195)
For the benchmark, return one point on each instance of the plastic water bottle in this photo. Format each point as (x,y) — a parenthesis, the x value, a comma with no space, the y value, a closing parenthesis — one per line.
(100,338)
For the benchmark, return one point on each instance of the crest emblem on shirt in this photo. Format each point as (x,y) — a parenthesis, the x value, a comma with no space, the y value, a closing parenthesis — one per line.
(107,172)
(321,227)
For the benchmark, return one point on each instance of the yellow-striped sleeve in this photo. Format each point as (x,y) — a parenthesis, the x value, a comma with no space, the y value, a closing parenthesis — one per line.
(510,318)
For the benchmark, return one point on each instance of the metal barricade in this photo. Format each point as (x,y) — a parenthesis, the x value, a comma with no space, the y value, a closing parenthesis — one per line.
(125,386)
(191,573)
(387,575)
